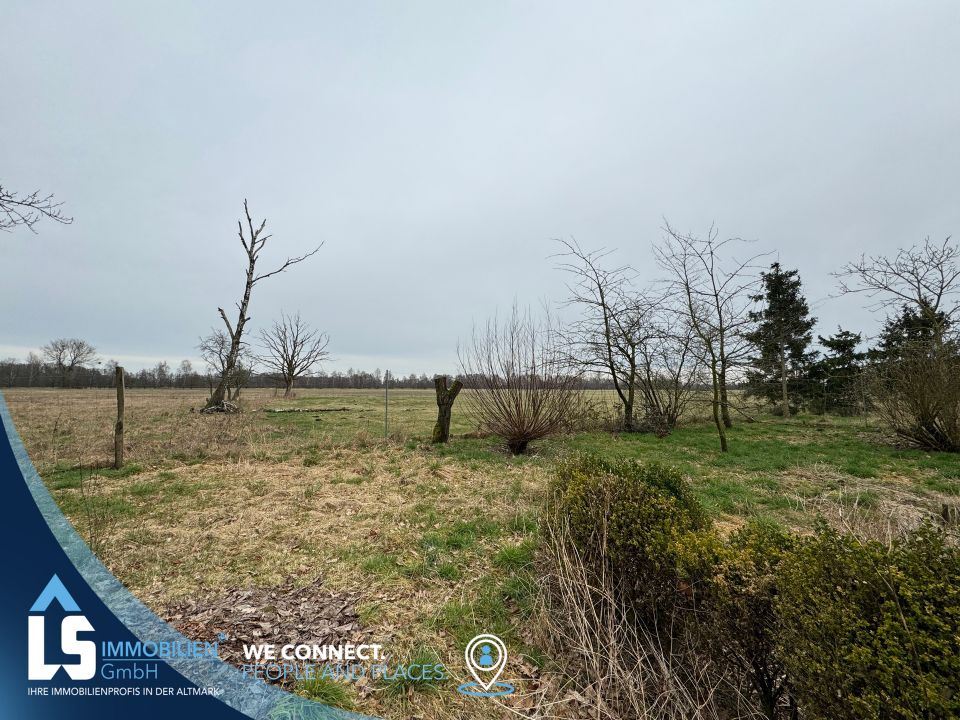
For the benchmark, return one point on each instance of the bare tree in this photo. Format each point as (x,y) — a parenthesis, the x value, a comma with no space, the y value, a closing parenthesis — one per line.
(923,277)
(34,367)
(215,350)
(185,374)
(8,370)
(523,388)
(915,390)
(632,337)
(27,210)
(669,368)
(252,245)
(293,350)
(715,294)
(68,354)
(611,328)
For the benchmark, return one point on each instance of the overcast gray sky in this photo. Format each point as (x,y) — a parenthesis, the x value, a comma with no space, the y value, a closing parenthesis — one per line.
(437,147)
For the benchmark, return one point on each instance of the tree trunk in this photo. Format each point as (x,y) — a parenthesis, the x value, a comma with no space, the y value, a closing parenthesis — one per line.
(288,389)
(628,423)
(724,402)
(717,420)
(118,428)
(445,398)
(783,381)
(236,337)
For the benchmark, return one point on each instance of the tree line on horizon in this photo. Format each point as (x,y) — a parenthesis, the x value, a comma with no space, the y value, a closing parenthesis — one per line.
(39,371)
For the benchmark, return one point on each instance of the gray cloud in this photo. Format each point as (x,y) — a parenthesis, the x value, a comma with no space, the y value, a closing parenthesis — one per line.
(437,148)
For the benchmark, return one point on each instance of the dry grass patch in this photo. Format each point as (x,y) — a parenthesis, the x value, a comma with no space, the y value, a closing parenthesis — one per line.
(873,509)
(410,535)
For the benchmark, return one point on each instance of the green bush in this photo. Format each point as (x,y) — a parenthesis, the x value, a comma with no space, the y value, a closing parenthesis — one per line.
(870,631)
(738,622)
(824,627)
(628,520)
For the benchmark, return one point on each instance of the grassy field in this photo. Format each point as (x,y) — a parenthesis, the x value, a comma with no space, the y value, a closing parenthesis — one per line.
(436,542)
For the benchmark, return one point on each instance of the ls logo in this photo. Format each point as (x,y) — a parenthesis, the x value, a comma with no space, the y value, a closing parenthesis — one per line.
(37,668)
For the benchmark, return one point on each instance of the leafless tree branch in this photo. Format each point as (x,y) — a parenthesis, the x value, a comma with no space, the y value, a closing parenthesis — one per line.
(27,210)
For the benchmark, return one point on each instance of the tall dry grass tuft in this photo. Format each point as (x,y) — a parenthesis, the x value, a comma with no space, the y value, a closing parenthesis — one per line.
(624,671)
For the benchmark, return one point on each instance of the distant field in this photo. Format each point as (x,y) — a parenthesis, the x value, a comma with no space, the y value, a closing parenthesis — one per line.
(436,543)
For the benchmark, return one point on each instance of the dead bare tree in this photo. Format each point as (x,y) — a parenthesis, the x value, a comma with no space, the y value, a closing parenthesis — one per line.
(18,210)
(252,245)
(68,354)
(715,294)
(522,387)
(293,350)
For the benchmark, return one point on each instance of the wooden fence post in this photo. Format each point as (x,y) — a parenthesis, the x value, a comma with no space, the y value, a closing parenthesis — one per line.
(118,428)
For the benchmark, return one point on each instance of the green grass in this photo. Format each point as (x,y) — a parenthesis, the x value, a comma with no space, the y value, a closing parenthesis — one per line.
(516,557)
(347,481)
(106,508)
(775,460)
(433,565)
(460,534)
(369,613)
(66,477)
(327,691)
(380,563)
(945,485)
(164,487)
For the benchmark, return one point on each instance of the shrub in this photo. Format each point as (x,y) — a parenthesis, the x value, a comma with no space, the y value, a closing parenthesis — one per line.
(522,386)
(763,623)
(870,631)
(918,396)
(630,521)
(628,670)
(739,623)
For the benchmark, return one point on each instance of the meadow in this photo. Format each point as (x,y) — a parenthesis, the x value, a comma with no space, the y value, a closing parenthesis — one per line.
(424,546)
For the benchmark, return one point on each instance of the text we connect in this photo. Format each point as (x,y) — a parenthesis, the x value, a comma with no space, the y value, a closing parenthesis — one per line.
(348,651)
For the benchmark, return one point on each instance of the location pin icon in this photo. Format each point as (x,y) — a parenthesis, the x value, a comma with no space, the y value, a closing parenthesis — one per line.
(486,657)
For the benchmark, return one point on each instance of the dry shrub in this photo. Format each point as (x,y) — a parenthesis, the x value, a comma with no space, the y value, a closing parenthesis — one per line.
(597,413)
(918,394)
(682,620)
(523,387)
(626,670)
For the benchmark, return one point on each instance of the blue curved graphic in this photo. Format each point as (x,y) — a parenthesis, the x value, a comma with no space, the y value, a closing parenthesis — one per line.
(477,690)
(46,560)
